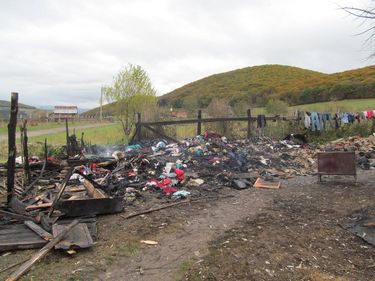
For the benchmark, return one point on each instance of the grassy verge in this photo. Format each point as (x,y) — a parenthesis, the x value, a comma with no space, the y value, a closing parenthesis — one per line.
(110,134)
(42,126)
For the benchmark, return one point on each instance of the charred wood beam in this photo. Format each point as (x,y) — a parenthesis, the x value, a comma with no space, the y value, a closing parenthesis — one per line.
(12,145)
(25,151)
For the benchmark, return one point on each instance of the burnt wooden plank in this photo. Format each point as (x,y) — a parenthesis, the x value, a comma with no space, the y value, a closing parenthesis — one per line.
(38,230)
(15,216)
(90,207)
(93,192)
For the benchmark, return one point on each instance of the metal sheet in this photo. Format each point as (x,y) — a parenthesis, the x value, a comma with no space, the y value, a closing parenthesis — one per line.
(78,237)
(336,163)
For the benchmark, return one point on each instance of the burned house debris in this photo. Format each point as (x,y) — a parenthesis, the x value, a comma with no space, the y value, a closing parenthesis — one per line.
(55,204)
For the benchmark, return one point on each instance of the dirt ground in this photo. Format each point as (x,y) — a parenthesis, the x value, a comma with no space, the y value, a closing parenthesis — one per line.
(289,234)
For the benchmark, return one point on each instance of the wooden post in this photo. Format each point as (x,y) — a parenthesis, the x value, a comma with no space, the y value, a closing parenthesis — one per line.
(12,145)
(298,118)
(67,137)
(82,141)
(249,123)
(45,151)
(199,123)
(25,150)
(138,128)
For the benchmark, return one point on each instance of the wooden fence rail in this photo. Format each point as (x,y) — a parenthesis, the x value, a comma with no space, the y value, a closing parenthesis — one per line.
(199,120)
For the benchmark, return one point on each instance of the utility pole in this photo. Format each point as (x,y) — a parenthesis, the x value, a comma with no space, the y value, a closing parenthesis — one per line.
(101,103)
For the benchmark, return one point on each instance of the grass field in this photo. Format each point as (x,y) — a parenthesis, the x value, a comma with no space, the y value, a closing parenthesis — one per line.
(109,134)
(41,126)
(331,106)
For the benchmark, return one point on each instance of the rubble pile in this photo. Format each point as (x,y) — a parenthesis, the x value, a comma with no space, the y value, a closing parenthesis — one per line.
(104,180)
(364,148)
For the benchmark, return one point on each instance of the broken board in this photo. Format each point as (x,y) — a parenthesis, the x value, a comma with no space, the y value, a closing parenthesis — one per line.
(268,185)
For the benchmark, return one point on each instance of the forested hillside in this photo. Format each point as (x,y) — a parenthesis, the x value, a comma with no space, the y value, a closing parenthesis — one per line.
(256,85)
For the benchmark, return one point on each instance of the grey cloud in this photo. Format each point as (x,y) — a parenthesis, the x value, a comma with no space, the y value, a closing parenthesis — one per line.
(55,52)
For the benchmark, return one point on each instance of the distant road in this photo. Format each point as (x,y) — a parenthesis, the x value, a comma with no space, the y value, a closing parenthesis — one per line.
(37,133)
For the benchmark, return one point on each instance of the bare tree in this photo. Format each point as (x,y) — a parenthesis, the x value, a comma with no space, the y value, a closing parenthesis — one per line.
(368,17)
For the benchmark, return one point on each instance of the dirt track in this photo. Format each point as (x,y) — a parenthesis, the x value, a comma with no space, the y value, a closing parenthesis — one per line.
(37,133)
(286,234)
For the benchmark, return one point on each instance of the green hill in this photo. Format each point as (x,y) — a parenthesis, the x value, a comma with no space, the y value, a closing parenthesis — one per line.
(6,104)
(108,110)
(256,85)
(24,111)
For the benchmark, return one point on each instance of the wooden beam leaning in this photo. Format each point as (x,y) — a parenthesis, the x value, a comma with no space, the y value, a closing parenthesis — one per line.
(161,134)
(61,190)
(12,126)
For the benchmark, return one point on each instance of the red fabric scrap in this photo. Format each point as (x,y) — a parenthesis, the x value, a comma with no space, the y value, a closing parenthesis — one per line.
(169,190)
(166,182)
(180,174)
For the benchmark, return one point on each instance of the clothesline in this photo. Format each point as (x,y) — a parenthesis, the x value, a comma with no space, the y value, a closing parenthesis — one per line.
(317,121)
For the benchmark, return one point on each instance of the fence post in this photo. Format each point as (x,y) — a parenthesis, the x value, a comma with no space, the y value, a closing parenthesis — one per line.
(67,137)
(249,123)
(12,146)
(138,127)
(199,123)
(298,118)
(25,149)
(45,151)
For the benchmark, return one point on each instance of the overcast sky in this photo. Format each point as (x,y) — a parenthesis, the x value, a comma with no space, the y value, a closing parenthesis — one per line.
(61,52)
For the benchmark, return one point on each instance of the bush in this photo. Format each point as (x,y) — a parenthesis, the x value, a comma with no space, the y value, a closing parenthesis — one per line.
(277,107)
(362,129)
(220,108)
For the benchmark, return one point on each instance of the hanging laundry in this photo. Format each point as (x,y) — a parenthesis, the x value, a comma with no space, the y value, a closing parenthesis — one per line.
(261,121)
(337,121)
(345,118)
(327,117)
(351,118)
(307,120)
(315,122)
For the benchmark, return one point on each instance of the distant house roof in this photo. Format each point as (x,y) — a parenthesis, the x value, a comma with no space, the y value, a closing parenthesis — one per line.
(179,114)
(62,109)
